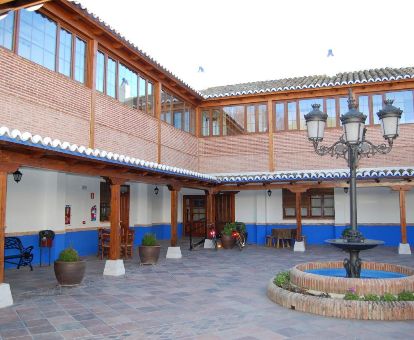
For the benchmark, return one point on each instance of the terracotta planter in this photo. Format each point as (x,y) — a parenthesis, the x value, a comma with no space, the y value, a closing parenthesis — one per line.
(149,254)
(69,273)
(227,241)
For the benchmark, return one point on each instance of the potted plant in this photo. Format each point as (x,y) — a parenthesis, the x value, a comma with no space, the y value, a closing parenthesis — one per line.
(149,251)
(227,239)
(69,268)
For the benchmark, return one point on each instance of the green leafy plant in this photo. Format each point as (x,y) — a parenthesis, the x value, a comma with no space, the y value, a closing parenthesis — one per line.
(371,297)
(282,279)
(351,296)
(228,229)
(149,240)
(240,226)
(406,296)
(346,232)
(388,297)
(69,255)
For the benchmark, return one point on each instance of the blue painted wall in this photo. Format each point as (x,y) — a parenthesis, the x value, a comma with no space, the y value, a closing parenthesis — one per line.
(86,242)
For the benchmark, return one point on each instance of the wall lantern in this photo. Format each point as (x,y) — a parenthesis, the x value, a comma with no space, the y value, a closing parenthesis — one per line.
(17,176)
(156,190)
(269,192)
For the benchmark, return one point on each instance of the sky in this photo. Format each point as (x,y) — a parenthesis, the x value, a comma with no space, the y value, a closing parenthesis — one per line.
(238,41)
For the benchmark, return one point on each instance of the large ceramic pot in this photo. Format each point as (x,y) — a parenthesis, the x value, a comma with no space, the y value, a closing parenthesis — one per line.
(149,254)
(70,273)
(227,241)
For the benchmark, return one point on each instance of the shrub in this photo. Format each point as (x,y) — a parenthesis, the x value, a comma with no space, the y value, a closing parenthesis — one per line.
(149,240)
(228,229)
(282,279)
(346,232)
(388,297)
(371,297)
(406,296)
(68,255)
(351,296)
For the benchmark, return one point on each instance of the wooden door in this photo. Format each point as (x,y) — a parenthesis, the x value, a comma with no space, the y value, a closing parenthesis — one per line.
(194,215)
(224,209)
(124,213)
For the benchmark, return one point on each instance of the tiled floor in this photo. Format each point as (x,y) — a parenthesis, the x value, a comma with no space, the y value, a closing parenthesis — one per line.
(205,295)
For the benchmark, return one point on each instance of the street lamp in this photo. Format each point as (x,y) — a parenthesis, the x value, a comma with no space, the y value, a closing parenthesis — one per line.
(352,146)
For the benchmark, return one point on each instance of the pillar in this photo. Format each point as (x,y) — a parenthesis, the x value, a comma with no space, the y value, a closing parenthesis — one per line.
(299,242)
(404,246)
(174,251)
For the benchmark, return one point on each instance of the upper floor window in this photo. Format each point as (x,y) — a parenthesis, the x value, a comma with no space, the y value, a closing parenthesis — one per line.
(176,111)
(331,112)
(100,72)
(127,86)
(403,100)
(65,52)
(6,31)
(305,105)
(37,39)
(80,60)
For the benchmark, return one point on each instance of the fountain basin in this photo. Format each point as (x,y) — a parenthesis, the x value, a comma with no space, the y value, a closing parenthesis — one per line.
(299,276)
(365,273)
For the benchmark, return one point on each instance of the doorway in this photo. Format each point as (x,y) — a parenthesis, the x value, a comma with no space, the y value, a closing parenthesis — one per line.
(194,215)
(224,209)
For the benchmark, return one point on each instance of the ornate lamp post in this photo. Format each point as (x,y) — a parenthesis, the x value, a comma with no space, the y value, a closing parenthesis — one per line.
(352,146)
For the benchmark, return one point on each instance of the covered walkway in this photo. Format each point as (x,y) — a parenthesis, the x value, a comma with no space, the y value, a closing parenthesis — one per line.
(204,295)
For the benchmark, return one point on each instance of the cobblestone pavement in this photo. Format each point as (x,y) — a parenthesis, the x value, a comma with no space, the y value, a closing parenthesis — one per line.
(205,295)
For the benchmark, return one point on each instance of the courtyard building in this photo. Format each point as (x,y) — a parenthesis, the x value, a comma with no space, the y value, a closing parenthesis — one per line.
(104,136)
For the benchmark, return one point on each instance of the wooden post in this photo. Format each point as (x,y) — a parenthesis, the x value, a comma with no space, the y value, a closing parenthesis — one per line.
(210,218)
(91,82)
(403,213)
(157,94)
(270,122)
(174,211)
(298,196)
(3,196)
(115,218)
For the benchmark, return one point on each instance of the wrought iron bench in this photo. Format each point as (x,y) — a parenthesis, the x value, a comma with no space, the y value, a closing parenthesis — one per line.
(24,255)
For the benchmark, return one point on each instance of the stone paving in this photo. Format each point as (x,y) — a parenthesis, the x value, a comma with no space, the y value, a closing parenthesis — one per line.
(205,295)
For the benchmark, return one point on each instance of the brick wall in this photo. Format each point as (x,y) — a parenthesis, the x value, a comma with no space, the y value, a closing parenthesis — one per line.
(35,99)
(292,150)
(178,148)
(121,129)
(244,153)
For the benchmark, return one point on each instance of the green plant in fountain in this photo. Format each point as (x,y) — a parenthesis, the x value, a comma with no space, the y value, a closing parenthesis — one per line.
(371,297)
(406,296)
(68,255)
(228,229)
(282,279)
(351,295)
(388,297)
(149,240)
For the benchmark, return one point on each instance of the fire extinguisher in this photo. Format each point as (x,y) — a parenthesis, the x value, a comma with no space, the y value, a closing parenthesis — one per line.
(93,213)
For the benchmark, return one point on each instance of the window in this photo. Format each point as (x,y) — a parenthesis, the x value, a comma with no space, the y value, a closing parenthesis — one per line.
(363,107)
(376,106)
(80,57)
(150,100)
(37,39)
(178,109)
(315,203)
(233,120)
(205,126)
(111,78)
(403,100)
(280,116)
(127,86)
(292,125)
(331,112)
(262,118)
(166,100)
(6,31)
(251,119)
(142,90)
(100,71)
(216,122)
(65,52)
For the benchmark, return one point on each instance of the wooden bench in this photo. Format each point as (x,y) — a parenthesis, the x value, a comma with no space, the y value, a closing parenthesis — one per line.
(24,255)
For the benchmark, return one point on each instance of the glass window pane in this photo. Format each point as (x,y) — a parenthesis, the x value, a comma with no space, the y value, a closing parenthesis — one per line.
(205,123)
(316,201)
(376,106)
(37,40)
(304,211)
(6,31)
(328,212)
(328,201)
(192,120)
(290,212)
(111,77)
(142,94)
(262,117)
(305,106)
(100,71)
(128,86)
(187,118)
(316,212)
(292,125)
(65,52)
(150,103)
(233,120)
(403,100)
(363,107)
(331,112)
(178,109)
(216,122)
(80,57)
(280,116)
(251,119)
